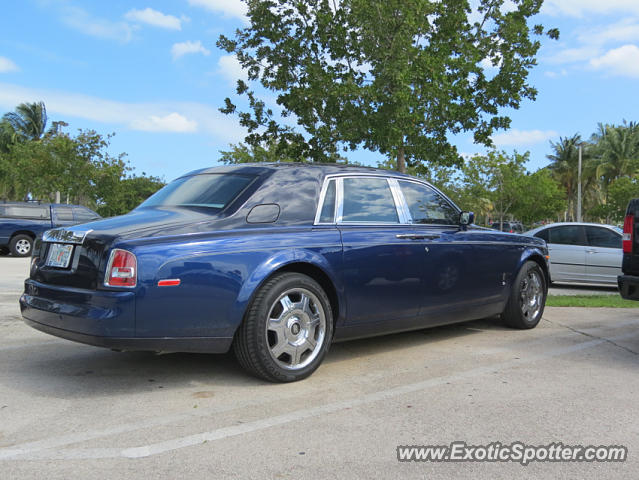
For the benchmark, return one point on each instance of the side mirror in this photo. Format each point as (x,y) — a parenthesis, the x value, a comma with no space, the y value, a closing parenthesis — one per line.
(466,218)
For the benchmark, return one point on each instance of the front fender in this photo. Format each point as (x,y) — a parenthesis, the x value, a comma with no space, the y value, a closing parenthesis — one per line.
(536,254)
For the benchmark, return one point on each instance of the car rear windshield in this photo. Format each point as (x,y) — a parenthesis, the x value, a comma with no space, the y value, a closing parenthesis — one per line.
(204,190)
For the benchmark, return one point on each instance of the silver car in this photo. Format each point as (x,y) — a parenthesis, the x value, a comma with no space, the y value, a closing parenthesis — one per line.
(582,252)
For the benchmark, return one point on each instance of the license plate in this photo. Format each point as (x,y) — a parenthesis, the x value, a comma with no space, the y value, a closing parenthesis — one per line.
(59,255)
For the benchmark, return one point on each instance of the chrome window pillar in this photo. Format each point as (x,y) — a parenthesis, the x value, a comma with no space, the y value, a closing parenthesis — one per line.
(403,212)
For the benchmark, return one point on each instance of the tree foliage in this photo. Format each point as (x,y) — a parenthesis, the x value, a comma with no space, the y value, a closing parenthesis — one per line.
(391,76)
(79,167)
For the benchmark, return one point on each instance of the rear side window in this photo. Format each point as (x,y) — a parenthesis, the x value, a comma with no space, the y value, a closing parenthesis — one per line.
(566,235)
(368,200)
(214,190)
(603,237)
(36,212)
(328,208)
(427,206)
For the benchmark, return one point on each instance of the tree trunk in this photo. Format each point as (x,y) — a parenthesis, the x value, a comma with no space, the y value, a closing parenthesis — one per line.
(401,160)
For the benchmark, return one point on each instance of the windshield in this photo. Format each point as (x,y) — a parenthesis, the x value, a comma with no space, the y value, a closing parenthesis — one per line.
(213,190)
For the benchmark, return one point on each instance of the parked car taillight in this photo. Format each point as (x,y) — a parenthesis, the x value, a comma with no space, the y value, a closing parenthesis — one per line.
(121,270)
(628,228)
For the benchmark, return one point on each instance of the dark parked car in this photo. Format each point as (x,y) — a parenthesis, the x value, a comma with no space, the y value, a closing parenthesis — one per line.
(628,281)
(510,227)
(277,261)
(22,222)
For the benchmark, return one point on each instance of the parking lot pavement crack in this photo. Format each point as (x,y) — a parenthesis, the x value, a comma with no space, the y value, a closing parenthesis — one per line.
(590,335)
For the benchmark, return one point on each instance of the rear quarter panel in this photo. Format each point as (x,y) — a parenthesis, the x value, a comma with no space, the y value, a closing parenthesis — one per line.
(219,274)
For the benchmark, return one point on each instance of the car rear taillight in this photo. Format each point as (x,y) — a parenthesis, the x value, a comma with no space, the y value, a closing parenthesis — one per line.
(628,233)
(122,269)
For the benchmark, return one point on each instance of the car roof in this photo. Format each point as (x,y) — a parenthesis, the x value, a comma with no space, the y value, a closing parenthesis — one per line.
(559,224)
(322,169)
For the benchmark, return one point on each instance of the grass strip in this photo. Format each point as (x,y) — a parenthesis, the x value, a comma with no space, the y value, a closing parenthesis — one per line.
(590,301)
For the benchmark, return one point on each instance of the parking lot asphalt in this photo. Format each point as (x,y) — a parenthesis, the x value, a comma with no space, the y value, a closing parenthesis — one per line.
(74,411)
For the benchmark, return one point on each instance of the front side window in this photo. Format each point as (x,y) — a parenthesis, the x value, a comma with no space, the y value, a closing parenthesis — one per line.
(603,237)
(566,235)
(64,214)
(543,234)
(205,190)
(84,214)
(368,200)
(427,206)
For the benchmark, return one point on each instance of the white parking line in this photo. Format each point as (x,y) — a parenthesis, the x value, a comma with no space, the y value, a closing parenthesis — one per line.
(44,449)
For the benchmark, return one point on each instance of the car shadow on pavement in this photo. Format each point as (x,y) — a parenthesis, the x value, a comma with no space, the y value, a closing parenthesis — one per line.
(68,370)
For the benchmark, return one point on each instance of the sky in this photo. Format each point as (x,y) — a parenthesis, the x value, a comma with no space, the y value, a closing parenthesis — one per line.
(150,72)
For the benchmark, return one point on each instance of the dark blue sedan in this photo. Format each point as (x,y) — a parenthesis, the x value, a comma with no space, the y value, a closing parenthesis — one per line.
(277,261)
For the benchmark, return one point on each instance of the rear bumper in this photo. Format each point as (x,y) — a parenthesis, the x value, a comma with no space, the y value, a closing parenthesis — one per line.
(628,286)
(168,344)
(101,318)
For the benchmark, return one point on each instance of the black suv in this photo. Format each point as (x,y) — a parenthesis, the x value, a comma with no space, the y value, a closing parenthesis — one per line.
(22,222)
(629,281)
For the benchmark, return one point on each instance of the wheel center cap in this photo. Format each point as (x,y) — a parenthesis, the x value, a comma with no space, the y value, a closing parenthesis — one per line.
(295,328)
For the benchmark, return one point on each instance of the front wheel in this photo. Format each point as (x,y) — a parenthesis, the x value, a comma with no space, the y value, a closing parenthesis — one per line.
(527,298)
(21,245)
(287,329)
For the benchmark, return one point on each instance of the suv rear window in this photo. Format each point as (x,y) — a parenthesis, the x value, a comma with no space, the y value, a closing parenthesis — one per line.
(212,190)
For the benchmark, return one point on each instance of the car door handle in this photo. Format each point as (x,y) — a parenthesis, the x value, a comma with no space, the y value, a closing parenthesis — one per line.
(591,251)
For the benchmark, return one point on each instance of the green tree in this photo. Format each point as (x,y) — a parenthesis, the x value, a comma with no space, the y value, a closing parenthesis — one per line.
(389,75)
(564,167)
(541,197)
(617,151)
(28,121)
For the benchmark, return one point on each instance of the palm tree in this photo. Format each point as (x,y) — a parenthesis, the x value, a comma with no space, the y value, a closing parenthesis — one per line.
(28,121)
(617,149)
(564,167)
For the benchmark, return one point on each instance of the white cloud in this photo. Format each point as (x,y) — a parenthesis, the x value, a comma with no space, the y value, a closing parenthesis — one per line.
(230,8)
(552,74)
(516,137)
(231,68)
(80,20)
(574,55)
(626,30)
(623,61)
(154,18)
(180,49)
(174,117)
(173,122)
(581,8)
(7,65)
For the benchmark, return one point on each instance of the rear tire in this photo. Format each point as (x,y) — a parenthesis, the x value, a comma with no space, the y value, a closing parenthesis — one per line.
(287,329)
(21,245)
(527,299)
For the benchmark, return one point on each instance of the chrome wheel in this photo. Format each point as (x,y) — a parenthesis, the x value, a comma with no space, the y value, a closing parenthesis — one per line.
(531,295)
(295,329)
(23,247)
